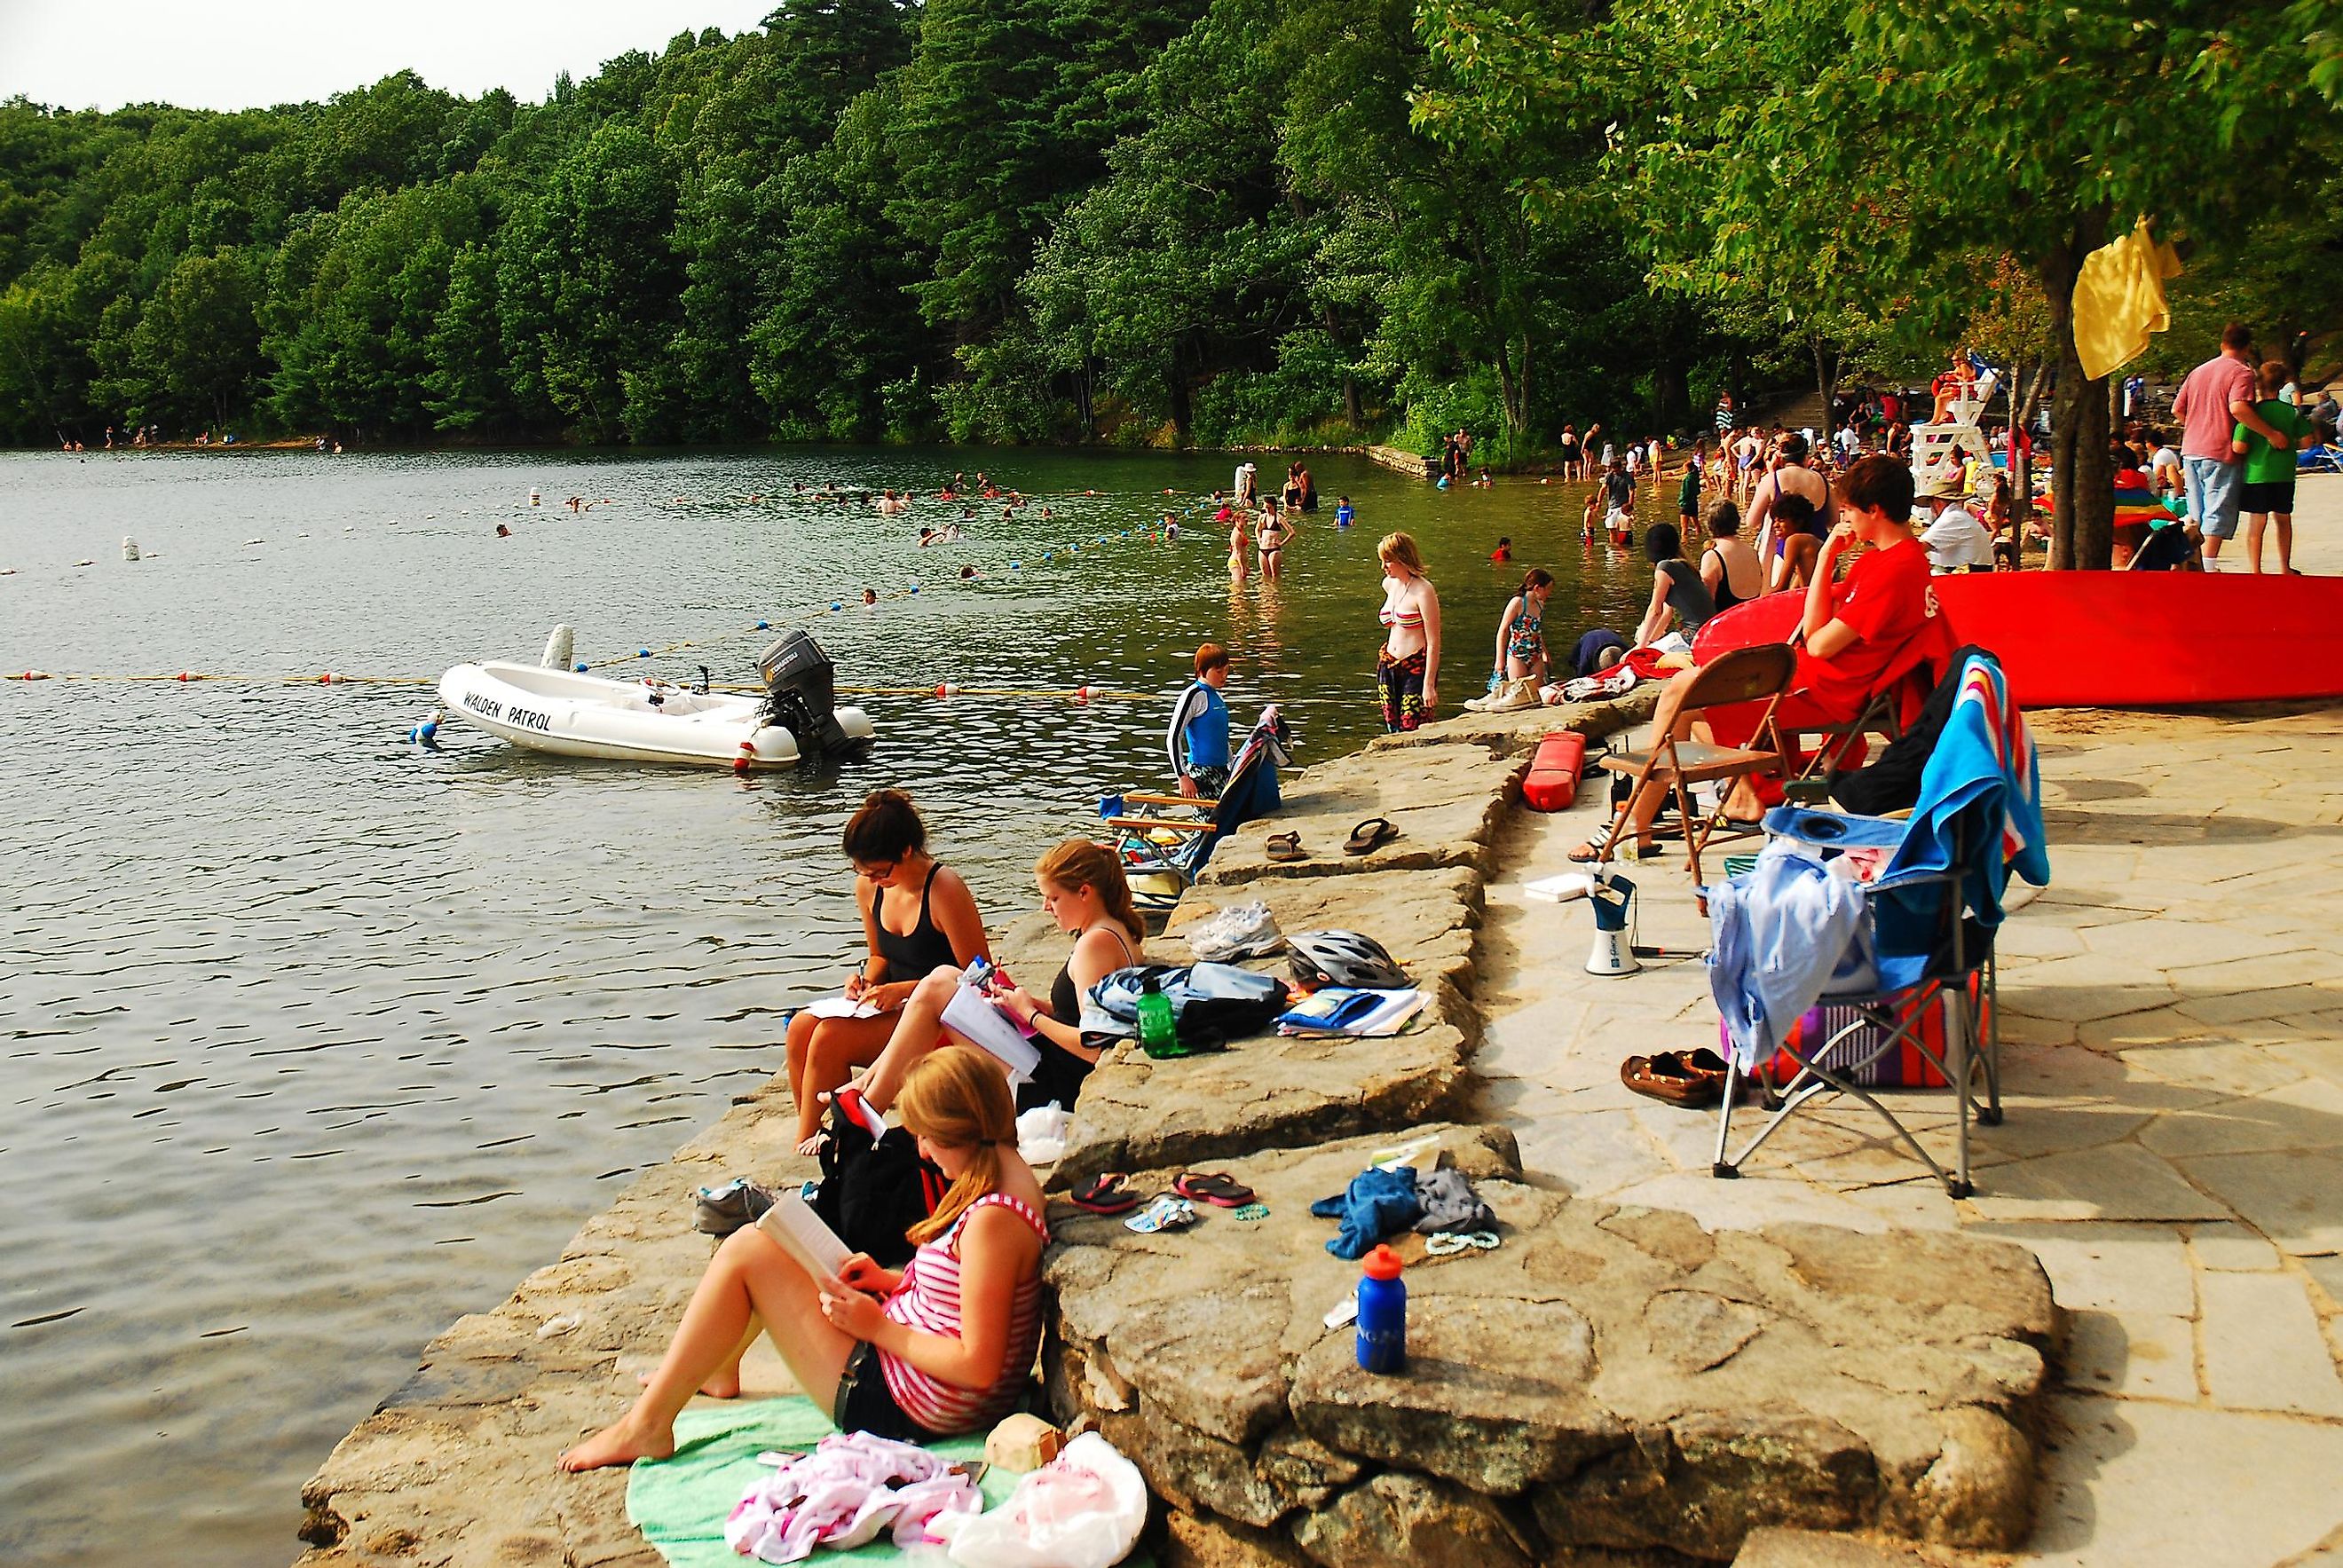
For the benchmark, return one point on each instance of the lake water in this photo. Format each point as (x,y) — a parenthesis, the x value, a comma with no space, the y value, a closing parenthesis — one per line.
(314,1041)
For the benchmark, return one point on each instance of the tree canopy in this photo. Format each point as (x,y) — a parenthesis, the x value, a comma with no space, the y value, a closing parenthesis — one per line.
(1162,221)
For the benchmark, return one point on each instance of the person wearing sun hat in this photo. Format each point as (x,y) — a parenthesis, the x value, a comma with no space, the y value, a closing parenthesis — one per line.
(1956,541)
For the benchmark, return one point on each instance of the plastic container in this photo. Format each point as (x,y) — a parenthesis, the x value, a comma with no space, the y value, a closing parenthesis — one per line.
(1552,781)
(1383,1313)
(1158,1036)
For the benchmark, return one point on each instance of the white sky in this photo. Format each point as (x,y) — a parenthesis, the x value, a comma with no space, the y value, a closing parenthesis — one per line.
(248,54)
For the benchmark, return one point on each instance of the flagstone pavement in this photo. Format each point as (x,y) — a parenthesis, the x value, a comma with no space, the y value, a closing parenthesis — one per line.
(2172,1052)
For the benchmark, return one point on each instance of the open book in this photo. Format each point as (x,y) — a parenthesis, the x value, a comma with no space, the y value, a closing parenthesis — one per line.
(792,1223)
(979,1021)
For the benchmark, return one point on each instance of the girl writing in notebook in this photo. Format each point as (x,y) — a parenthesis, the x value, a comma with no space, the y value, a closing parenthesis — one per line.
(917,915)
(941,1348)
(1084,889)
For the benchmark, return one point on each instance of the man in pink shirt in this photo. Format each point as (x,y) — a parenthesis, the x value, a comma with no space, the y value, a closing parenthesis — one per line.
(2218,397)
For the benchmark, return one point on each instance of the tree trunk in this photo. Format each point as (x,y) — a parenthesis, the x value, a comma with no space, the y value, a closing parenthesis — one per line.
(1825,383)
(2083,511)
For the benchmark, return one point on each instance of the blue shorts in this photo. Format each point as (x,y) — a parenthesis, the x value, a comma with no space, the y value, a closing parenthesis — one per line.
(2213,488)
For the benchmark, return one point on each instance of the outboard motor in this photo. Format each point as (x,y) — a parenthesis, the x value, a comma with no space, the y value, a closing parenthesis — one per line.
(801,695)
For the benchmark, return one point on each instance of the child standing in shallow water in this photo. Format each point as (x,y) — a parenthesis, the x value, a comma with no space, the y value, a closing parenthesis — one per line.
(1521,633)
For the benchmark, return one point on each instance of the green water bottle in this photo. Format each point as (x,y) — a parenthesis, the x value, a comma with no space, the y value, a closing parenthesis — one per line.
(1157,1037)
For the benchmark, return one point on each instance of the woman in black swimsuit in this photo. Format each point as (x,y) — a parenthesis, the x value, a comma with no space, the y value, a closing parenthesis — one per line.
(930,923)
(1083,888)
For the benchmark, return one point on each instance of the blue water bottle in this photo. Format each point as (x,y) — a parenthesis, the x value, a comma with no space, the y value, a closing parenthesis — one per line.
(1383,1313)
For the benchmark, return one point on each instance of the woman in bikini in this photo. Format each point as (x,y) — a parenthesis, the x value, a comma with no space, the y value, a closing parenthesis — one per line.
(1276,532)
(1084,889)
(941,1348)
(1521,633)
(931,922)
(1240,546)
(1407,670)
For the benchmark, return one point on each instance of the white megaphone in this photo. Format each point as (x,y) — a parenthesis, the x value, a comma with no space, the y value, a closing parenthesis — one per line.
(1613,899)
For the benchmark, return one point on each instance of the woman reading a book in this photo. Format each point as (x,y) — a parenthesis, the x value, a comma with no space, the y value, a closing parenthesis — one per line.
(940,1349)
(928,922)
(1084,889)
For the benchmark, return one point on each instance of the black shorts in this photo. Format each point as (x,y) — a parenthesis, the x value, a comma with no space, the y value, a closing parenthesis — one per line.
(865,1404)
(2273,495)
(1057,1079)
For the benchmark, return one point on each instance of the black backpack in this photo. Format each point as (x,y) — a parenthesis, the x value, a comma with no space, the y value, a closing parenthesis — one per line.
(873,1191)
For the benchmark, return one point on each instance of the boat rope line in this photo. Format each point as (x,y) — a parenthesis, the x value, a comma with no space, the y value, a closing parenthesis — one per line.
(336,677)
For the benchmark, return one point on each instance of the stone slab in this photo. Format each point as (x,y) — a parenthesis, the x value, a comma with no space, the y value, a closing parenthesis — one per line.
(1446,803)
(1634,1382)
(2262,1350)
(2140,1481)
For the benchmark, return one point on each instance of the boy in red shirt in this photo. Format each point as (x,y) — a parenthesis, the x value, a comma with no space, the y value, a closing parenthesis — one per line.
(1851,634)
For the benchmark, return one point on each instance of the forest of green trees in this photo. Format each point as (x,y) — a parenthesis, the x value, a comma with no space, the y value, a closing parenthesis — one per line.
(1166,221)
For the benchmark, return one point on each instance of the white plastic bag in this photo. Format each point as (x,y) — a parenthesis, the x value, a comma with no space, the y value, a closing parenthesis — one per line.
(1041,1134)
(1084,1509)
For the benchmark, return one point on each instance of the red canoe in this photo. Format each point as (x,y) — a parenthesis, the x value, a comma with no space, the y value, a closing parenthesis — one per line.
(2120,639)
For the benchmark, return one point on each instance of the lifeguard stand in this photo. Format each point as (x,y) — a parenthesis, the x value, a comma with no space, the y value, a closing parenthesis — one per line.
(1938,449)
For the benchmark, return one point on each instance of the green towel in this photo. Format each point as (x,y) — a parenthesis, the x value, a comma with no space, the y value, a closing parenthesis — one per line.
(681,1503)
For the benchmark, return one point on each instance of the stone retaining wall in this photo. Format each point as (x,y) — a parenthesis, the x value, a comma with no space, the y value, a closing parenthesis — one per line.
(1611,1385)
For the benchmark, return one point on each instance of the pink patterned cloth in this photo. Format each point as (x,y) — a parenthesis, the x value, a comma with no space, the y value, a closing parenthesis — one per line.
(842,1494)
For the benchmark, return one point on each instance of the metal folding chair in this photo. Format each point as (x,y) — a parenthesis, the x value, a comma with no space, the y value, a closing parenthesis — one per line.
(1959,984)
(1744,675)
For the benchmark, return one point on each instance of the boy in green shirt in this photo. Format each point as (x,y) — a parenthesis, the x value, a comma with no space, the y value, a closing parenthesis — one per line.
(2269,488)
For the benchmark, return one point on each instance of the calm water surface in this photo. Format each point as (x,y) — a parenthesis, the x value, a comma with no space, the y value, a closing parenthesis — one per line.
(314,1041)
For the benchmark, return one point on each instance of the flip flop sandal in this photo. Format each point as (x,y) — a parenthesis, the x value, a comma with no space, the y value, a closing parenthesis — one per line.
(1284,846)
(1166,1214)
(1591,853)
(1666,1079)
(1368,835)
(1105,1195)
(1214,1188)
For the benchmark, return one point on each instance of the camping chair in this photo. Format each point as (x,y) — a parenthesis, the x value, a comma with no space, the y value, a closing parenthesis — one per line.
(1744,675)
(1163,855)
(1955,983)
(2323,458)
(1931,914)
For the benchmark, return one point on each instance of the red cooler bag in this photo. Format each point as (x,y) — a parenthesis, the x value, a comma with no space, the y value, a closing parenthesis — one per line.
(1552,781)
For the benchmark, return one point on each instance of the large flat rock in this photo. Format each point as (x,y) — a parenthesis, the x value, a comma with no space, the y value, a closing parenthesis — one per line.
(1445,800)
(1271,1093)
(1609,1379)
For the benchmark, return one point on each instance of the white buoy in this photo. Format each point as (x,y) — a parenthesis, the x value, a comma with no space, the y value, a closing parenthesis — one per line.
(129,548)
(558,649)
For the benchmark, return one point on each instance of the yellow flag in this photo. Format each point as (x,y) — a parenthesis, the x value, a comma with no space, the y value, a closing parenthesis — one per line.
(2119,300)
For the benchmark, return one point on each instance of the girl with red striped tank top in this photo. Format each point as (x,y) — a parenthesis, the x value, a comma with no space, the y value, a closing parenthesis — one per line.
(940,1349)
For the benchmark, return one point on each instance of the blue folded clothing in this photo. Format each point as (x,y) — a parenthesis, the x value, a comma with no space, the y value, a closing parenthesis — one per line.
(1378,1204)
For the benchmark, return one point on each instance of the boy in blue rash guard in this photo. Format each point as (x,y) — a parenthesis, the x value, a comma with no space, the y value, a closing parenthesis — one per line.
(1343,516)
(1198,737)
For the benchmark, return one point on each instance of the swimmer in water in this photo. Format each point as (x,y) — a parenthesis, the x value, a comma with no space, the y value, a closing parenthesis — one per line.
(869,595)
(966,573)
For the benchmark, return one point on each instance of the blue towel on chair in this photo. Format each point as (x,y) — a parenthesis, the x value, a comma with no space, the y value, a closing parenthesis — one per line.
(1982,788)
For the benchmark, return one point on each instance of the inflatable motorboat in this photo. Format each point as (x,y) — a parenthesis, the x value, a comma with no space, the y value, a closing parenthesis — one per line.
(574,714)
